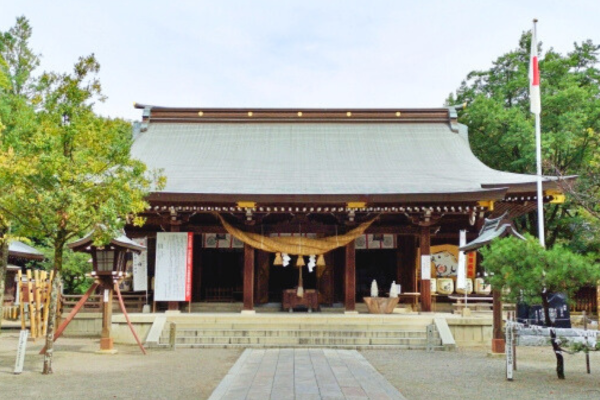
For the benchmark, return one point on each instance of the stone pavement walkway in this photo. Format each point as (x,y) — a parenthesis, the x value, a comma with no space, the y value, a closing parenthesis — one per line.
(303,374)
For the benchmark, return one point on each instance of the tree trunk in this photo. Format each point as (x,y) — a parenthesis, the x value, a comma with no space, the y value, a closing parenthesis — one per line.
(3,266)
(58,259)
(560,362)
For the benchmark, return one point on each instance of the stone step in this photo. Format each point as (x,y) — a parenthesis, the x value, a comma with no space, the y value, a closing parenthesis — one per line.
(284,332)
(328,346)
(305,341)
(299,324)
(292,335)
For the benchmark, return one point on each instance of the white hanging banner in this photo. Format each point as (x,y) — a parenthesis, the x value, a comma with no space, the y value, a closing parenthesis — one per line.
(173,280)
(140,267)
(426,267)
(461,273)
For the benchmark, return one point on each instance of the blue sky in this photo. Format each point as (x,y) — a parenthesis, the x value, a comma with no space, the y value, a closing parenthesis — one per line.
(290,53)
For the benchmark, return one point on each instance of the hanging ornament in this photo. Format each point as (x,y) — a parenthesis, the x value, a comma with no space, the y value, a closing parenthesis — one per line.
(300,291)
(300,262)
(278,260)
(286,259)
(312,262)
(321,260)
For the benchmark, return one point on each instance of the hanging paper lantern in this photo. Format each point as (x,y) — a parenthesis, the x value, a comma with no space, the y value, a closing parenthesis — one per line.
(321,260)
(278,260)
(300,262)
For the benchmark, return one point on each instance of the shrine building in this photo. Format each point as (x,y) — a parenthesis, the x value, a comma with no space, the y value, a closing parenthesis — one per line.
(375,191)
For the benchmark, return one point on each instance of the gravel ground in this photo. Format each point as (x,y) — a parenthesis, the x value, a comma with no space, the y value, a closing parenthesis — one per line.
(471,373)
(194,373)
(80,373)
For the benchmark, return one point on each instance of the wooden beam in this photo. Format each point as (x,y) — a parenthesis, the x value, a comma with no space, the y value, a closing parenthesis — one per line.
(498,343)
(248,277)
(350,277)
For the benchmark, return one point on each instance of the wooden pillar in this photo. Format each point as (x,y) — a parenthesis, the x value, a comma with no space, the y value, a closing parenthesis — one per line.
(106,341)
(350,278)
(248,278)
(263,263)
(424,246)
(498,333)
(407,263)
(325,280)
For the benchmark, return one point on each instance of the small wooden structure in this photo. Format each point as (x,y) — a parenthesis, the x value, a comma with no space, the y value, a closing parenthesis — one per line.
(109,270)
(34,299)
(19,254)
(291,299)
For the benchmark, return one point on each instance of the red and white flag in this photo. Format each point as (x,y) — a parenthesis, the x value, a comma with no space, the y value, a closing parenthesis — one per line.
(534,76)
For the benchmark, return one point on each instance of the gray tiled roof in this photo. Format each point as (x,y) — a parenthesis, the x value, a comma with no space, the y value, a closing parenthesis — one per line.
(316,158)
(20,249)
(492,229)
(122,241)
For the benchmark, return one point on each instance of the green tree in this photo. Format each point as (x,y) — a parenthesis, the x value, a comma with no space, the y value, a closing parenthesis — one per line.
(501,127)
(72,173)
(17,96)
(75,270)
(531,273)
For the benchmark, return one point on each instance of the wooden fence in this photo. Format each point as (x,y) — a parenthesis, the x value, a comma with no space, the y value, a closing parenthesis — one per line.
(133,302)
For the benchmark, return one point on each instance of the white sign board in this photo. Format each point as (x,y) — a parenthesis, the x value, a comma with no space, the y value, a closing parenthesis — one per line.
(140,267)
(173,280)
(21,351)
(509,351)
(426,267)
(461,273)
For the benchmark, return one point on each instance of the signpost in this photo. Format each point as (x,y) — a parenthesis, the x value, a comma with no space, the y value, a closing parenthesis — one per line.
(173,266)
(22,346)
(140,268)
(509,332)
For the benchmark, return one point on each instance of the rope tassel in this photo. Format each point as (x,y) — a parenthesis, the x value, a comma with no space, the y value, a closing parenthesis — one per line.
(300,292)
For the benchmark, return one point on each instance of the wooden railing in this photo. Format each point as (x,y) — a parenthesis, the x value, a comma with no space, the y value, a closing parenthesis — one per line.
(219,294)
(133,302)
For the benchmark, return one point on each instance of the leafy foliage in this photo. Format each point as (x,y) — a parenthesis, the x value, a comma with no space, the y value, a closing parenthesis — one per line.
(527,270)
(501,127)
(64,170)
(17,63)
(76,267)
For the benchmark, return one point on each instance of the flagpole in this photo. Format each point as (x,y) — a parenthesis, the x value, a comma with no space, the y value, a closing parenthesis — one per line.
(540,195)
(536,109)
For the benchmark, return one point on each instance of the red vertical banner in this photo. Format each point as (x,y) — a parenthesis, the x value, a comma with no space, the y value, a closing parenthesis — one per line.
(188,266)
(471,264)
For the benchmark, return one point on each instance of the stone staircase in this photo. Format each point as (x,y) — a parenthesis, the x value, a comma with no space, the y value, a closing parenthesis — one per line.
(302,330)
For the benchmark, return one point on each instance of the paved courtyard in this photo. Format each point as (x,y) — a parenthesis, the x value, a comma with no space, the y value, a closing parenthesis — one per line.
(304,374)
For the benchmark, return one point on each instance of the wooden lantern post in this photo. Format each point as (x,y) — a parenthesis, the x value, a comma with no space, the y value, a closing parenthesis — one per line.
(108,270)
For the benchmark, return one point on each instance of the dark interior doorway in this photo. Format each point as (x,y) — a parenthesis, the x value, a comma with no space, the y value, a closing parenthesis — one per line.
(222,274)
(281,278)
(380,265)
